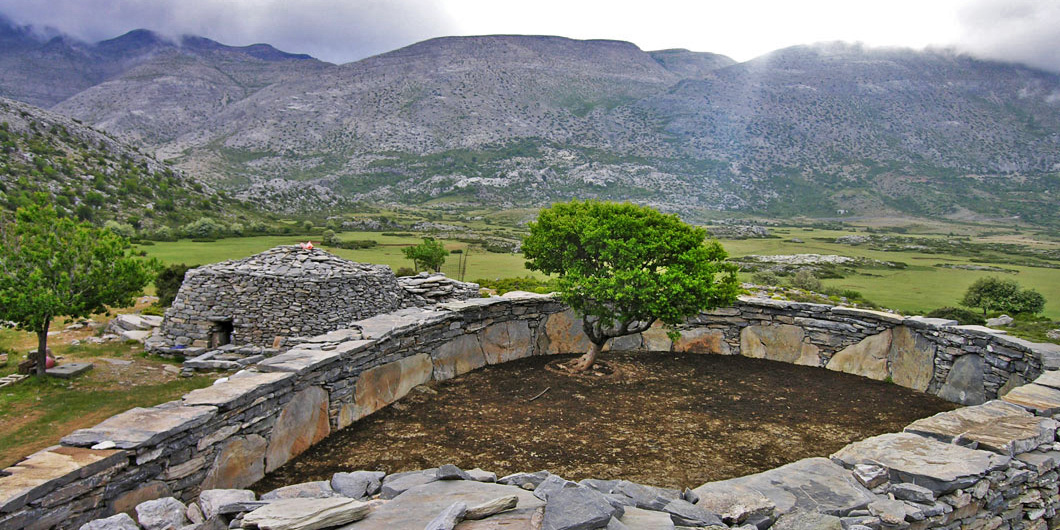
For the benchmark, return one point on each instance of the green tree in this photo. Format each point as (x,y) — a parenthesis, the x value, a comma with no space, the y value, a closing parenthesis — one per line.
(623,266)
(53,266)
(168,283)
(996,294)
(429,255)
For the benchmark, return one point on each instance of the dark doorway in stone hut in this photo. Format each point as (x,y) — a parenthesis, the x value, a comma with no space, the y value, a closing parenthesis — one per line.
(221,333)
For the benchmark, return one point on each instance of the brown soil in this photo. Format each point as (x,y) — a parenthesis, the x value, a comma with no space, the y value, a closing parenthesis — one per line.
(664,419)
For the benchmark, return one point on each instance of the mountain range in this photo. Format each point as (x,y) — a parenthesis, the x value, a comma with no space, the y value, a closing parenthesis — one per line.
(820,130)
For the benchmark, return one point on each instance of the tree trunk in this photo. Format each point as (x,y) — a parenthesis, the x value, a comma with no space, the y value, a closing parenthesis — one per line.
(41,357)
(586,361)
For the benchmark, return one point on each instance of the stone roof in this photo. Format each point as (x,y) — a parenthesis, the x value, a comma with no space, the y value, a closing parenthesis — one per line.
(294,261)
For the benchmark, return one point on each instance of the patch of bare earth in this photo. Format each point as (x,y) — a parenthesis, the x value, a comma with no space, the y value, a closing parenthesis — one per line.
(665,419)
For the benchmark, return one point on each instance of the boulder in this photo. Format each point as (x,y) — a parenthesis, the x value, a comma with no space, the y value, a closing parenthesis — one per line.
(451,472)
(211,501)
(578,508)
(734,503)
(121,521)
(357,485)
(161,514)
(306,514)
(551,485)
(638,519)
(1001,321)
(563,333)
(507,341)
(398,483)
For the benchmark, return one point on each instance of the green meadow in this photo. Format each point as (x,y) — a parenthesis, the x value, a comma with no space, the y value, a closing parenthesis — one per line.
(919,288)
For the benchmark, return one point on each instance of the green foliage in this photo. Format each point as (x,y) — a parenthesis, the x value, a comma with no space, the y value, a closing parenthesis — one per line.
(355,243)
(203,227)
(997,294)
(766,278)
(429,255)
(122,229)
(329,238)
(168,283)
(526,283)
(806,280)
(622,266)
(53,266)
(963,316)
(405,271)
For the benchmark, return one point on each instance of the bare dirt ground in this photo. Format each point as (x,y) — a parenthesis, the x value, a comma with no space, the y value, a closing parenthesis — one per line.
(674,420)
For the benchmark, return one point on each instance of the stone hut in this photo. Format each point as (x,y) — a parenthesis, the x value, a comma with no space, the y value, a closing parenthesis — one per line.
(282,292)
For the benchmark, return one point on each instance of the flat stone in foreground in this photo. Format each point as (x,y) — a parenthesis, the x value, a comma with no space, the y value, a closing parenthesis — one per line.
(68,370)
(421,504)
(926,462)
(1039,399)
(306,514)
(995,426)
(811,485)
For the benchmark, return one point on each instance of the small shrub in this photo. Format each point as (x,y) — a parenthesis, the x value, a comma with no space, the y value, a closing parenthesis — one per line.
(806,280)
(963,316)
(168,283)
(154,310)
(766,278)
(405,271)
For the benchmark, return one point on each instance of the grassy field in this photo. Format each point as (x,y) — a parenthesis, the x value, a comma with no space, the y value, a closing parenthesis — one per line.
(481,264)
(921,287)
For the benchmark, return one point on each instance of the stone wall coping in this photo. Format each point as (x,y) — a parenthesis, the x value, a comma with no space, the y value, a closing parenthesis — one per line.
(142,427)
(51,468)
(981,331)
(299,360)
(869,314)
(238,389)
(380,326)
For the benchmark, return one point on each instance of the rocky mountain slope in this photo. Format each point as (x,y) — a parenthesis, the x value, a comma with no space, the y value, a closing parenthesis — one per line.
(96,177)
(820,130)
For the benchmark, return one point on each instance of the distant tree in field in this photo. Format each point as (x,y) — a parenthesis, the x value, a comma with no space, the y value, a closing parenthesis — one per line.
(623,266)
(806,280)
(429,255)
(53,266)
(330,238)
(996,294)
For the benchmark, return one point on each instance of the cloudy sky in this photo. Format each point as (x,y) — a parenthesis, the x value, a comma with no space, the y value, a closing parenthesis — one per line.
(340,31)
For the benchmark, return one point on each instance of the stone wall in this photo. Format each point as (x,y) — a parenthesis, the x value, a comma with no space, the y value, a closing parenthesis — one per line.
(230,434)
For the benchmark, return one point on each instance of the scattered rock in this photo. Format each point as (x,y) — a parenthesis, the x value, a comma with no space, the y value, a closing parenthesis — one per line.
(578,508)
(551,485)
(495,506)
(522,479)
(121,521)
(482,476)
(211,501)
(684,513)
(905,491)
(161,514)
(306,490)
(1001,321)
(807,521)
(870,475)
(451,472)
(398,483)
(357,485)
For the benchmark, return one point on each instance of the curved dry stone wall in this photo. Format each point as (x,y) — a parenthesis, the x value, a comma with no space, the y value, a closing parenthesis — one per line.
(991,465)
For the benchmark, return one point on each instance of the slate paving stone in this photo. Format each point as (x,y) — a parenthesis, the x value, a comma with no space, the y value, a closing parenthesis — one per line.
(1039,399)
(419,505)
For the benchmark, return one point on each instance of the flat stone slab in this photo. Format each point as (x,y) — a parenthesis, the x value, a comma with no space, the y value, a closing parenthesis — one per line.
(923,461)
(638,519)
(421,504)
(239,389)
(46,470)
(812,485)
(139,427)
(995,426)
(379,326)
(69,370)
(869,314)
(1036,398)
(1050,379)
(299,361)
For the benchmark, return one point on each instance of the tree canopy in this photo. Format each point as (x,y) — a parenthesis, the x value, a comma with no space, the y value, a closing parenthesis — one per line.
(53,266)
(429,255)
(996,294)
(623,266)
